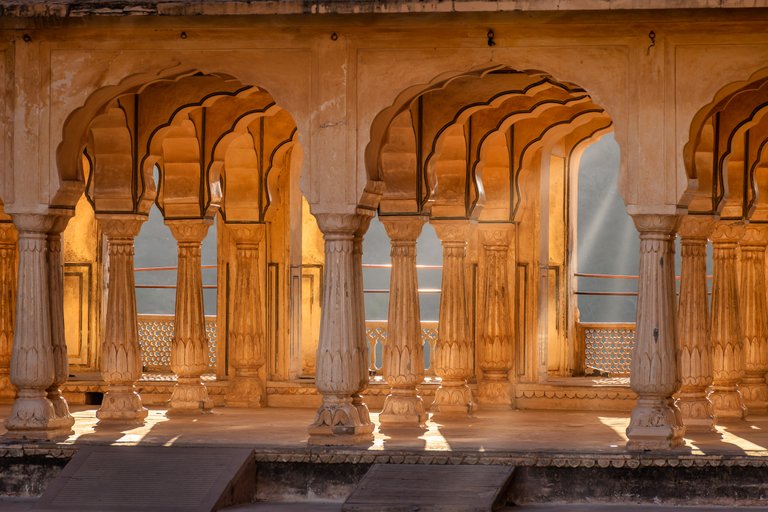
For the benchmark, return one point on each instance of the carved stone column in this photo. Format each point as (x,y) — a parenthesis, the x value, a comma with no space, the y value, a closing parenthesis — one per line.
(727,343)
(694,342)
(754,318)
(8,244)
(496,342)
(189,352)
(364,346)
(454,354)
(655,422)
(247,336)
(58,341)
(120,359)
(403,361)
(341,361)
(33,369)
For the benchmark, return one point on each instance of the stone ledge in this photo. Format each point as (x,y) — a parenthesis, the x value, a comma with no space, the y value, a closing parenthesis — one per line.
(80,8)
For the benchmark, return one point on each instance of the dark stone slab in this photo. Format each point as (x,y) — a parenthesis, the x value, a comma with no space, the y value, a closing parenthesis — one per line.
(408,487)
(162,479)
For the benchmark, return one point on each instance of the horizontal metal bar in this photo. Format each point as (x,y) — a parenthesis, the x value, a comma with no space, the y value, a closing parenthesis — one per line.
(386,290)
(389,265)
(172,286)
(615,276)
(160,269)
(620,294)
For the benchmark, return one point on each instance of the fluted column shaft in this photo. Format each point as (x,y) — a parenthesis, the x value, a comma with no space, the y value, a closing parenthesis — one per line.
(58,340)
(341,361)
(655,422)
(364,346)
(453,354)
(120,359)
(8,252)
(754,318)
(496,341)
(727,342)
(403,361)
(247,335)
(33,367)
(189,351)
(694,341)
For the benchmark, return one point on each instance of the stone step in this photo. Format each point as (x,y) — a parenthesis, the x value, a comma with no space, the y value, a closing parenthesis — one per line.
(162,479)
(408,487)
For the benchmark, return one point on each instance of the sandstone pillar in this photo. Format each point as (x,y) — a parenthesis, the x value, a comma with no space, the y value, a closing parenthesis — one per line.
(33,367)
(694,342)
(341,361)
(655,422)
(496,339)
(189,352)
(403,361)
(58,341)
(727,343)
(247,337)
(453,354)
(8,244)
(754,318)
(120,358)
(364,346)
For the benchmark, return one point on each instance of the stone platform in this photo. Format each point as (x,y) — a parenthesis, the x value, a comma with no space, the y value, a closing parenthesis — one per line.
(559,455)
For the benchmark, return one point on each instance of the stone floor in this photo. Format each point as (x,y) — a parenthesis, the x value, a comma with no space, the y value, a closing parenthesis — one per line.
(490,430)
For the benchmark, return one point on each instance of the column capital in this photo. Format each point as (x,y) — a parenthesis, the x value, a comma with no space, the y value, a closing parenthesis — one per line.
(755,235)
(496,234)
(655,223)
(727,232)
(405,228)
(8,234)
(247,233)
(696,227)
(344,224)
(33,222)
(452,230)
(117,226)
(189,230)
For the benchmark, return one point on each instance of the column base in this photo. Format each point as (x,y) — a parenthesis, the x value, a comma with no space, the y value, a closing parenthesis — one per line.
(362,410)
(60,407)
(338,422)
(754,392)
(727,403)
(696,411)
(655,424)
(453,399)
(189,396)
(246,391)
(33,417)
(7,389)
(122,404)
(494,392)
(403,407)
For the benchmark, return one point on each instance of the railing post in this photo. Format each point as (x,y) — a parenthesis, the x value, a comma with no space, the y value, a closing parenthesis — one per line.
(403,364)
(189,353)
(754,318)
(655,422)
(727,343)
(120,352)
(453,355)
(694,341)
(341,353)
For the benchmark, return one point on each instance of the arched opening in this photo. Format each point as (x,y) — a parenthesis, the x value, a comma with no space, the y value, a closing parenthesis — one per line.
(206,171)
(490,159)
